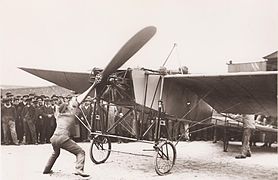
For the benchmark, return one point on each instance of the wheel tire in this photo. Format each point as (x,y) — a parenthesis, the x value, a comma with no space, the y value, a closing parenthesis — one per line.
(100,149)
(165,158)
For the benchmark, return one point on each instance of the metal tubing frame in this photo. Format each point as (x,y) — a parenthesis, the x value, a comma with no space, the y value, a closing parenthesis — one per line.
(93,120)
(118,121)
(160,108)
(121,137)
(156,123)
(83,123)
(144,103)
(144,106)
(85,117)
(149,128)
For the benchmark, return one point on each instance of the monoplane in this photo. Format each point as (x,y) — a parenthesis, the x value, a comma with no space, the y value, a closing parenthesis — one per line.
(162,97)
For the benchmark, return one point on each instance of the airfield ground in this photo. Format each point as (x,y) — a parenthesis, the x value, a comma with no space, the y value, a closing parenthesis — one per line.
(195,160)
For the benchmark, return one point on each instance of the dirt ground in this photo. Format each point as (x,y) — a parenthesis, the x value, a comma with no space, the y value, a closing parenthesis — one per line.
(195,160)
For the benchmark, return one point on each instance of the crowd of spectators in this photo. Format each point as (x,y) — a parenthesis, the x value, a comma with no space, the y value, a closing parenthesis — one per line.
(30,119)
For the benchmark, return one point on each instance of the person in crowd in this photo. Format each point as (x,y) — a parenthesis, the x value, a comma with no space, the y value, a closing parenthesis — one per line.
(54,101)
(29,119)
(9,95)
(20,107)
(8,117)
(97,116)
(40,121)
(112,110)
(2,134)
(32,95)
(67,99)
(38,105)
(60,100)
(85,116)
(18,121)
(268,137)
(55,105)
(61,138)
(118,128)
(248,126)
(48,118)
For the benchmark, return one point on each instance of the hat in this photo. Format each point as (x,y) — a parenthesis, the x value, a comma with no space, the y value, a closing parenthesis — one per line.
(29,99)
(39,98)
(47,99)
(69,96)
(88,98)
(8,93)
(54,96)
(25,96)
(73,92)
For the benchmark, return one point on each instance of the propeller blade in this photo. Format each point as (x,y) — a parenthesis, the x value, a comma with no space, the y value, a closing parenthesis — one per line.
(129,49)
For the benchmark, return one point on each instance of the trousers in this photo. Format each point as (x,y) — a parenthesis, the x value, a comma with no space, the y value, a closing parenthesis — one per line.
(9,126)
(30,131)
(69,145)
(245,142)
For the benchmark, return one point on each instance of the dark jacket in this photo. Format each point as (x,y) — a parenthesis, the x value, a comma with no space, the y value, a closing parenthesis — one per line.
(8,113)
(47,110)
(28,113)
(19,109)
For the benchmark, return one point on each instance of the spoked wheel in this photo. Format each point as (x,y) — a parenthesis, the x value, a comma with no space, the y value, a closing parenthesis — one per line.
(100,149)
(165,157)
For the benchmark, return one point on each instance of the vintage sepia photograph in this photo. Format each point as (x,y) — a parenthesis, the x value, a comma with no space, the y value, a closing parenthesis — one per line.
(138,89)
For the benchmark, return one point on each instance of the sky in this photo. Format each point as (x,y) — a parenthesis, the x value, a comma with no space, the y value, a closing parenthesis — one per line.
(72,35)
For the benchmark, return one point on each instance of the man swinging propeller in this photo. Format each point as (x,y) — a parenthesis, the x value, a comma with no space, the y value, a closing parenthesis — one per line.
(61,138)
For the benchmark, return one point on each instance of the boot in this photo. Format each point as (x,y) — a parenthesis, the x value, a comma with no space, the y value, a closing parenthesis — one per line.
(241,156)
(81,173)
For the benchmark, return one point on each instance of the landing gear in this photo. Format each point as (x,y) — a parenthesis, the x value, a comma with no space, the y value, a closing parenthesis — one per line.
(100,149)
(165,157)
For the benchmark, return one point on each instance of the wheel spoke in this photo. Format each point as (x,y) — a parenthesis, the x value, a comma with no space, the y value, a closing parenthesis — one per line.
(165,158)
(100,149)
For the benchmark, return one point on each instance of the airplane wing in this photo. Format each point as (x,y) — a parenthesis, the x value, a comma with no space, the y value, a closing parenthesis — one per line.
(76,81)
(244,92)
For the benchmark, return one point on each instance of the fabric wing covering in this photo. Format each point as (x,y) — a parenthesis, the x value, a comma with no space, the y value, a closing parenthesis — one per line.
(76,81)
(238,93)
